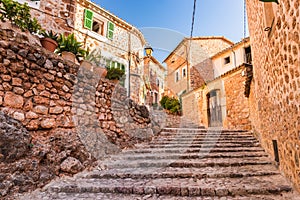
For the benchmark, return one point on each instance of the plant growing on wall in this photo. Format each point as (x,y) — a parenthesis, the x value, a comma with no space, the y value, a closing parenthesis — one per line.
(171,104)
(19,15)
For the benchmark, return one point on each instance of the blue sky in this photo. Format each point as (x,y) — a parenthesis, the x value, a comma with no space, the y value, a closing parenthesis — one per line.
(170,20)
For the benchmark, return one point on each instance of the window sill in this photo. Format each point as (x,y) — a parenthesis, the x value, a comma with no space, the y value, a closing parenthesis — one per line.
(32,4)
(97,36)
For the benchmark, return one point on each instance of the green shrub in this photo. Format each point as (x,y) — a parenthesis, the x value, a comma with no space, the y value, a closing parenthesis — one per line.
(163,101)
(19,14)
(114,73)
(171,104)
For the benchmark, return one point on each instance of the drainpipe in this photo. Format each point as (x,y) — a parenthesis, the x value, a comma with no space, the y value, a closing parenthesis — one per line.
(129,63)
(234,58)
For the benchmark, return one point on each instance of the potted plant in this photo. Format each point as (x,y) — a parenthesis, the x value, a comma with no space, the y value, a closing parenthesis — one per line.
(114,74)
(49,40)
(69,48)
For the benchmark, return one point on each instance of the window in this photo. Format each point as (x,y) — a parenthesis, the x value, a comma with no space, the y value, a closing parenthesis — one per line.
(248,57)
(157,82)
(98,26)
(111,63)
(88,19)
(227,60)
(184,72)
(115,64)
(110,30)
(176,76)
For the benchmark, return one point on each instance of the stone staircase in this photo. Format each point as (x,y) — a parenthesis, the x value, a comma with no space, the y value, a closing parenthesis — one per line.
(180,164)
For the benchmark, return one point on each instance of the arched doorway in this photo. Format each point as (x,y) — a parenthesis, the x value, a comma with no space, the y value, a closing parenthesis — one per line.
(214,112)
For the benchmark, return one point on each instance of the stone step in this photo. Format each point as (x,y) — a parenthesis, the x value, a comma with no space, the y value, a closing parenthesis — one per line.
(114,196)
(184,163)
(170,172)
(202,142)
(208,135)
(185,140)
(197,130)
(205,145)
(151,156)
(195,150)
(274,184)
(203,132)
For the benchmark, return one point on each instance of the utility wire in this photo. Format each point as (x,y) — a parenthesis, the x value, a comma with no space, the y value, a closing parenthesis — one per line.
(193,19)
(245,12)
(189,47)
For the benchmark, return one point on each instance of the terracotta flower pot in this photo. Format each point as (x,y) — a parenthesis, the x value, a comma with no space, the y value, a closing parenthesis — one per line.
(68,56)
(49,44)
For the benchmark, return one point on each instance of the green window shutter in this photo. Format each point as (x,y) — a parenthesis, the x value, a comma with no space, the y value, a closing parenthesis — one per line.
(88,19)
(110,30)
(275,1)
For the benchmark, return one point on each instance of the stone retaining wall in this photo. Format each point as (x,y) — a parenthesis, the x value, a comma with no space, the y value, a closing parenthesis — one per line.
(43,91)
(72,115)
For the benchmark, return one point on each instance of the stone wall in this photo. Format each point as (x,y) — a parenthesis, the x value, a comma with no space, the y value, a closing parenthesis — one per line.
(43,91)
(237,104)
(72,115)
(190,107)
(56,15)
(275,109)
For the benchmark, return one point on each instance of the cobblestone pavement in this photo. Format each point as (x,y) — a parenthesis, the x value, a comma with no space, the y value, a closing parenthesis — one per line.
(179,164)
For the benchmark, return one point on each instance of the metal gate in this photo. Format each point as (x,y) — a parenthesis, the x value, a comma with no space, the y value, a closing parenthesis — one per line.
(214,111)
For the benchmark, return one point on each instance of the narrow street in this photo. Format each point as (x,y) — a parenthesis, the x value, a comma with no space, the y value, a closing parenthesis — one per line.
(180,164)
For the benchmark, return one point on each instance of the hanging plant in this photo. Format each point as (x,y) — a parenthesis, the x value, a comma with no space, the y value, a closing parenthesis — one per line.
(19,15)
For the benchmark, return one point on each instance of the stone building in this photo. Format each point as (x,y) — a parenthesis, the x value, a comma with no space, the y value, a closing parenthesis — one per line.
(121,44)
(154,77)
(219,99)
(187,54)
(275,89)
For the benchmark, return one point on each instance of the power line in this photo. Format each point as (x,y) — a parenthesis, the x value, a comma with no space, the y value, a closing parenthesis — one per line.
(245,12)
(189,47)
(193,19)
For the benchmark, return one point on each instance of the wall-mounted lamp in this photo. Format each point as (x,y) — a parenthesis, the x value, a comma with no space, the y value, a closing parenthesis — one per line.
(148,51)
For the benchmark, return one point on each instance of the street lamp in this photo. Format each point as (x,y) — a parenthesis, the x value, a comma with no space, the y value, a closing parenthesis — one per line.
(148,51)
